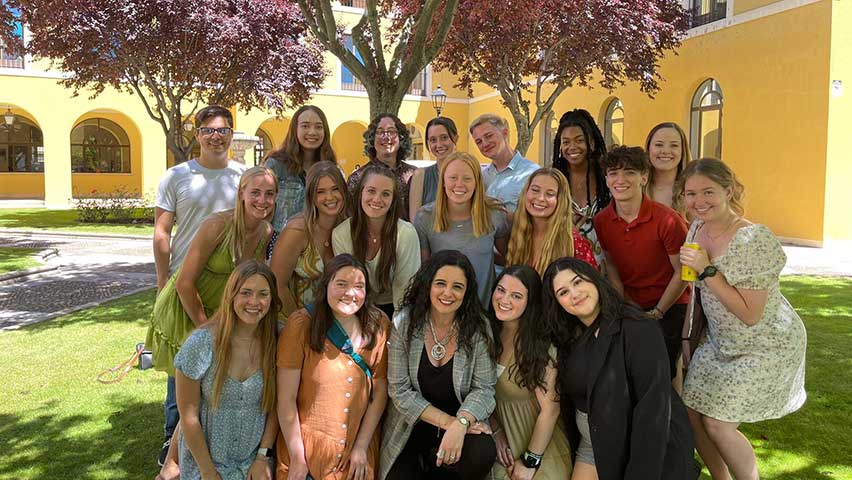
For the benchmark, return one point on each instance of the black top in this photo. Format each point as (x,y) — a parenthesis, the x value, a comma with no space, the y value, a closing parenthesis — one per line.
(436,384)
(577,370)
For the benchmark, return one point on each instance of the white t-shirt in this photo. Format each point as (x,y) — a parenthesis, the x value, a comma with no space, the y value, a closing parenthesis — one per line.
(193,193)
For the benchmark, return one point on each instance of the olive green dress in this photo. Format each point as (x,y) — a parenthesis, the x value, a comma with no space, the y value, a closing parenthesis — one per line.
(517,409)
(170,324)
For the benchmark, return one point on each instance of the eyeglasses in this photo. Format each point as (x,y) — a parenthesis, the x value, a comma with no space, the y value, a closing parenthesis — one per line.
(207,131)
(387,133)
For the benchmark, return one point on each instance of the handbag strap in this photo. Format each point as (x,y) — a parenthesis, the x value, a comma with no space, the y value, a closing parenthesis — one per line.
(340,339)
(124,367)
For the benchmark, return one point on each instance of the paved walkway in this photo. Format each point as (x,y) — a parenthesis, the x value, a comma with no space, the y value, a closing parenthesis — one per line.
(93,269)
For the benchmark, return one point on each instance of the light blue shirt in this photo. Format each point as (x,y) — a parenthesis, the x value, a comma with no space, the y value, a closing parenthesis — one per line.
(506,185)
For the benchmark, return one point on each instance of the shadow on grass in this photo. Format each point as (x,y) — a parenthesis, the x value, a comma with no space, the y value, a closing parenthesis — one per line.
(46,447)
(135,308)
(42,218)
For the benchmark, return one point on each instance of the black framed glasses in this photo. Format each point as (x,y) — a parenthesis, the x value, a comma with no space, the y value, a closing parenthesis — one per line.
(207,131)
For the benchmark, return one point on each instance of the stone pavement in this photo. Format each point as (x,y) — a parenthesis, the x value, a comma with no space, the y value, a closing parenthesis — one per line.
(94,269)
(91,270)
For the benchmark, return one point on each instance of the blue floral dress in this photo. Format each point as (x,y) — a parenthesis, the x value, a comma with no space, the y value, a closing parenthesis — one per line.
(233,430)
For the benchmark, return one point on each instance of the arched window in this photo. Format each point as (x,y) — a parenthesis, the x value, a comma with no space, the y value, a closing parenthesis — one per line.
(21,146)
(99,145)
(263,147)
(614,123)
(705,130)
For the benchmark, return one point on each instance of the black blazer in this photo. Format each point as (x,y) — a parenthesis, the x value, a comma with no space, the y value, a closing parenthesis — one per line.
(638,423)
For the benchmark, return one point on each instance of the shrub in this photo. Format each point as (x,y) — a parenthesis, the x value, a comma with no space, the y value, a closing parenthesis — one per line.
(118,206)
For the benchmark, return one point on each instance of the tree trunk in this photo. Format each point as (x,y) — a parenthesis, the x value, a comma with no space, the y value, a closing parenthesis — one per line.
(383,100)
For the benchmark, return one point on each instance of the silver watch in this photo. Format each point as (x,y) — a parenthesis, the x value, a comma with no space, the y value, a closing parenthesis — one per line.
(464,421)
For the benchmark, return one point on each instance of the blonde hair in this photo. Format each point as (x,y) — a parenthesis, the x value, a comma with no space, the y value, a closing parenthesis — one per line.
(481,205)
(558,239)
(718,172)
(494,120)
(237,235)
(222,326)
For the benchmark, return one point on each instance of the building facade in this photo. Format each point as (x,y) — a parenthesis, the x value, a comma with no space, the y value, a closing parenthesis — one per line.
(765,85)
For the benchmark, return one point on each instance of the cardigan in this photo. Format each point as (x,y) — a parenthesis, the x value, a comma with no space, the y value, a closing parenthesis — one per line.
(474,378)
(638,423)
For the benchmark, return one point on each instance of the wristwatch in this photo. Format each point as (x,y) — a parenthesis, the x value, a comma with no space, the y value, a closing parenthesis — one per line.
(708,272)
(531,460)
(264,452)
(464,421)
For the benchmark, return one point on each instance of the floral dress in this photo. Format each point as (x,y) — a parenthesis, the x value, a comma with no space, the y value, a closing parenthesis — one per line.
(741,373)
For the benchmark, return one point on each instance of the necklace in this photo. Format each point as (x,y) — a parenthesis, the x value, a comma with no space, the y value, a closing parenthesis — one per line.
(439,349)
(730,224)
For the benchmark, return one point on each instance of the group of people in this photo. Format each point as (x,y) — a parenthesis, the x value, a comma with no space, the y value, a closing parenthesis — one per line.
(464,321)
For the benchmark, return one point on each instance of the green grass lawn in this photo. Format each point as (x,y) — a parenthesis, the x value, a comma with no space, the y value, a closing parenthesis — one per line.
(63,220)
(56,421)
(12,259)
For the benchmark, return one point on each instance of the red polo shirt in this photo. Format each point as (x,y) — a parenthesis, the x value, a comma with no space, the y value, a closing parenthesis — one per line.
(641,249)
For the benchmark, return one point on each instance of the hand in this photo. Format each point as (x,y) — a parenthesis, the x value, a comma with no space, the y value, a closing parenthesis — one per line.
(169,471)
(450,449)
(655,313)
(695,259)
(357,464)
(504,451)
(686,355)
(478,428)
(521,472)
(260,470)
(213,475)
(297,471)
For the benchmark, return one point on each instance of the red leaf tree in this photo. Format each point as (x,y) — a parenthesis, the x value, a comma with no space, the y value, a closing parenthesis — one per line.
(393,41)
(177,55)
(533,50)
(9,40)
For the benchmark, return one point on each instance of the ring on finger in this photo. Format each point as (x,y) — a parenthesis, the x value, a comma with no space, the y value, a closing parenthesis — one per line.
(440,454)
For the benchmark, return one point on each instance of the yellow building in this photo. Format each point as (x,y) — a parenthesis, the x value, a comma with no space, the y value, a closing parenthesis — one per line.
(765,85)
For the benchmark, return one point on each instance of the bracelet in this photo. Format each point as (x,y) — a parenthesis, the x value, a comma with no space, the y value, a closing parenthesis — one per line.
(496,431)
(658,310)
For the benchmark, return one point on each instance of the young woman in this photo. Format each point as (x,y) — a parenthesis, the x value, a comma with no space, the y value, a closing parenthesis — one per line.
(332,380)
(441,378)
(542,230)
(441,138)
(305,243)
(387,142)
(377,237)
(194,292)
(623,416)
(529,437)
(751,366)
(308,141)
(226,383)
(577,151)
(463,218)
(668,150)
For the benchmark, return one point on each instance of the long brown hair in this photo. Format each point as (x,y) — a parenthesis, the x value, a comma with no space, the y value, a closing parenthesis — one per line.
(291,153)
(323,316)
(359,226)
(481,206)
(685,158)
(559,238)
(223,323)
(316,173)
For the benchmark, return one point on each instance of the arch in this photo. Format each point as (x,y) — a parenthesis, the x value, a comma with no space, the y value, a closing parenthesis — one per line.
(21,143)
(263,147)
(418,150)
(106,156)
(613,122)
(705,128)
(348,144)
(276,128)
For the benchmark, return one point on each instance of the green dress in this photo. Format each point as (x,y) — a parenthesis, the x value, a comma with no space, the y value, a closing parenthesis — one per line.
(170,324)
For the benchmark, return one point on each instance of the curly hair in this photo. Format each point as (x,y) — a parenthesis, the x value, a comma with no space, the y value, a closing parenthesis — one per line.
(358,226)
(405,144)
(595,148)
(532,342)
(323,316)
(470,319)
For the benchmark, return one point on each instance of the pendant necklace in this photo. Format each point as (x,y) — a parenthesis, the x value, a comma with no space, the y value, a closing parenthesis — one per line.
(439,349)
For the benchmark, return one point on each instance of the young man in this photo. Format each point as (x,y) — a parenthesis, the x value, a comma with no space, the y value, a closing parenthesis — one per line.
(508,171)
(641,240)
(188,193)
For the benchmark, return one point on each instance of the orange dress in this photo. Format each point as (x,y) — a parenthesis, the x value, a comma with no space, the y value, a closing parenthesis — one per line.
(333,397)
